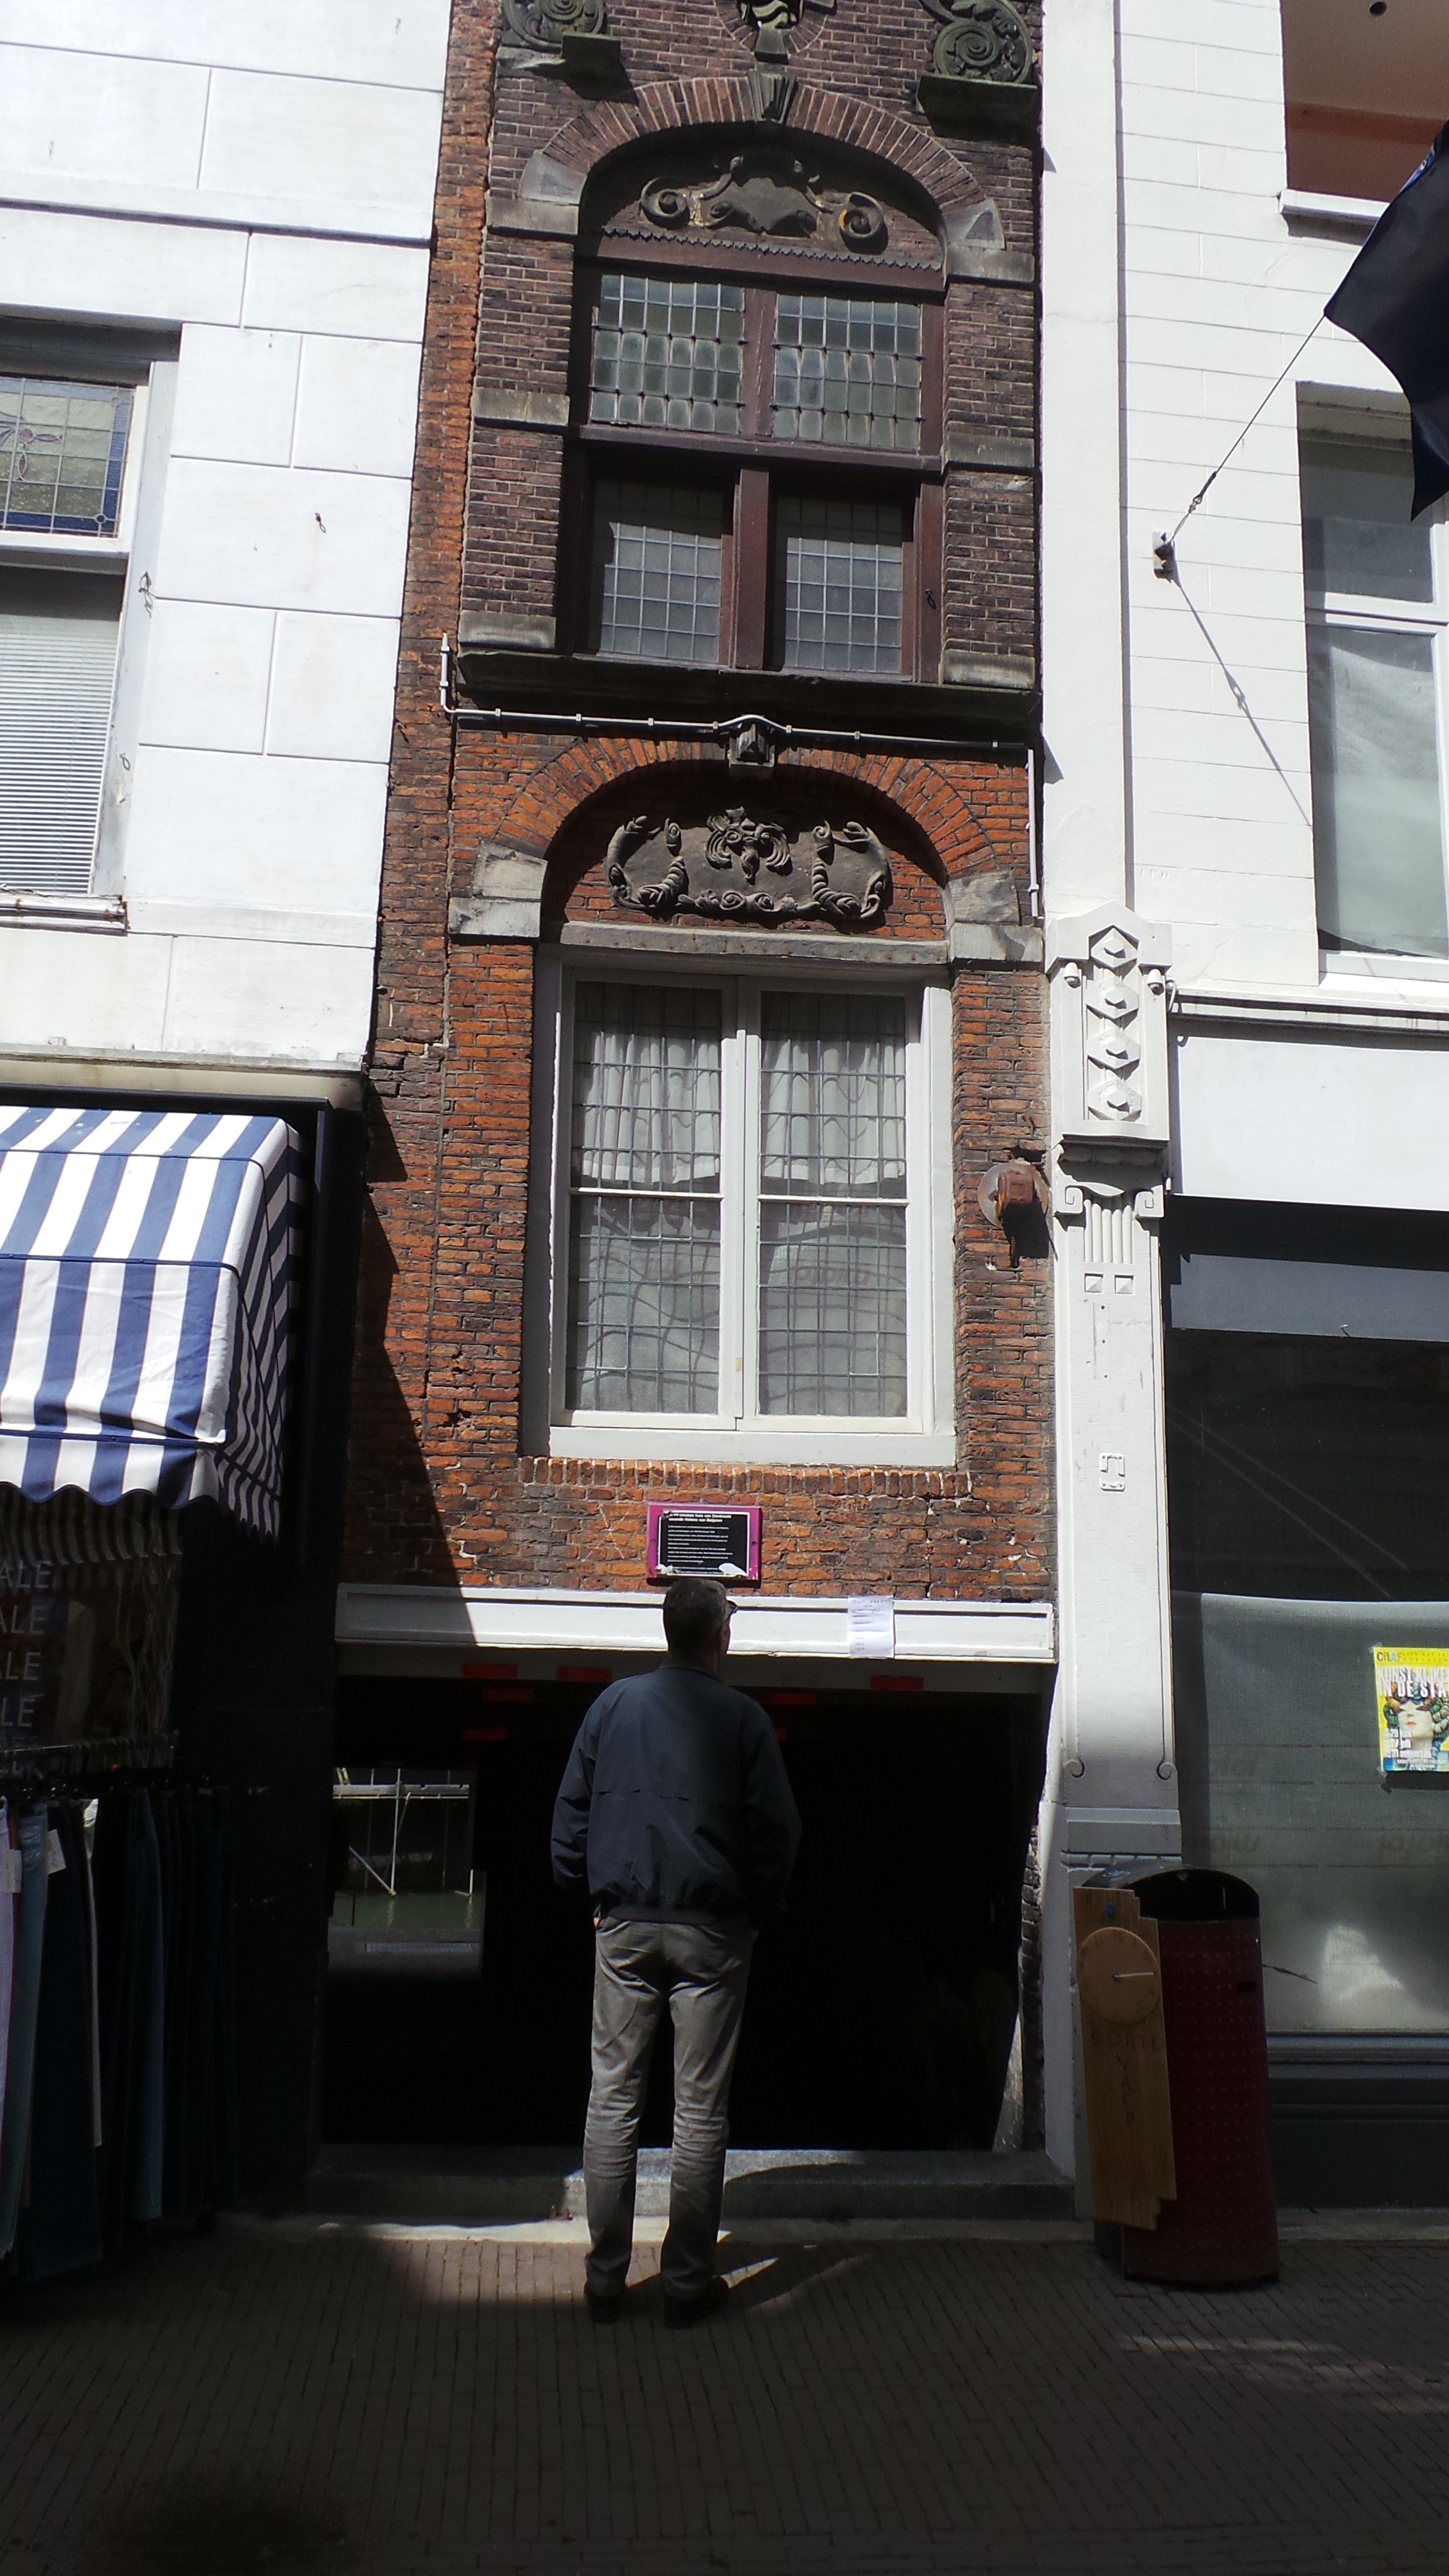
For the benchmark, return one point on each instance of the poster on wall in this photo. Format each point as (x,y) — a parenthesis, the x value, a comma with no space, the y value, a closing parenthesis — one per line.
(1412,1688)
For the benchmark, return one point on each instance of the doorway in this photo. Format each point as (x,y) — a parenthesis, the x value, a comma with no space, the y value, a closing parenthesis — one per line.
(882,2001)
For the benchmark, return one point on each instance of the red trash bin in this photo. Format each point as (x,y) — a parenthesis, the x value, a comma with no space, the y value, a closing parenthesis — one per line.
(1222,2228)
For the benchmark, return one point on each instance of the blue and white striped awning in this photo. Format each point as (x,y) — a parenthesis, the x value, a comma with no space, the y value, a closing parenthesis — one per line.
(146,1288)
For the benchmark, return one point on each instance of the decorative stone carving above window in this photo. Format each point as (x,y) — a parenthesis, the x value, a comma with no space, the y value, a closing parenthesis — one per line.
(771,23)
(767,191)
(739,868)
(979,40)
(545,33)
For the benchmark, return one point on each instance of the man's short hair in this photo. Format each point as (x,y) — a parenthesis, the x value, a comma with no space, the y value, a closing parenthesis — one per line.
(695,1611)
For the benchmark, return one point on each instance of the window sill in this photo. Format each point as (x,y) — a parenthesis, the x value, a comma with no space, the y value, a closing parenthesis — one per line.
(1304,210)
(106,912)
(1373,967)
(758,1446)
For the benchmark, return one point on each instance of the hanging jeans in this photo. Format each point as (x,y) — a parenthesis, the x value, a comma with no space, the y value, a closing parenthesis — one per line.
(7,1947)
(59,2227)
(24,2007)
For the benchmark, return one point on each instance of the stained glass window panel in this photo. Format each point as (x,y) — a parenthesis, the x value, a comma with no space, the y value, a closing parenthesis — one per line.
(62,455)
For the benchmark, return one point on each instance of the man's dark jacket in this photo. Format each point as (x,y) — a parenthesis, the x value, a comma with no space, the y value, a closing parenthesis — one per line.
(675,1803)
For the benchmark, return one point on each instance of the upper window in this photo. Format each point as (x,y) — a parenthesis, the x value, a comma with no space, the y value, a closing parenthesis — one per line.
(752,473)
(1377,585)
(62,455)
(746,1195)
(65,450)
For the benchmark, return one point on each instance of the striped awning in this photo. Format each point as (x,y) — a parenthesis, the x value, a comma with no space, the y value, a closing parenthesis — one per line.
(146,1287)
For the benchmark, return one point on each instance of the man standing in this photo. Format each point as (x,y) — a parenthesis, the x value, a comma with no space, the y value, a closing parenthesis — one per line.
(676,1816)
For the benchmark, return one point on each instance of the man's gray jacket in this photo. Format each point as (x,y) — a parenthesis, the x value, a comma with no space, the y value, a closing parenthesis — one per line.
(675,1803)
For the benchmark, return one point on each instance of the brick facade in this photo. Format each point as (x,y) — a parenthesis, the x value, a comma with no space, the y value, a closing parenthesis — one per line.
(439,1487)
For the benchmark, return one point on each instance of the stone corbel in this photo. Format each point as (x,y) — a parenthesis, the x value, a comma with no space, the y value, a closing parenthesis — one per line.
(506,896)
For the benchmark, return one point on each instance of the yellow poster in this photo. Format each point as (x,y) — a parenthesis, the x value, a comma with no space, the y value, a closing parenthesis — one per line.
(1412,1683)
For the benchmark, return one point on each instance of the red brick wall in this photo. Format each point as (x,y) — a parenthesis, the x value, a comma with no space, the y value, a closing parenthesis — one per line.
(437,1482)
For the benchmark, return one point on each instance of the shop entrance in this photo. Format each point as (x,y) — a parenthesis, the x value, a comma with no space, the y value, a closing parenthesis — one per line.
(882,2002)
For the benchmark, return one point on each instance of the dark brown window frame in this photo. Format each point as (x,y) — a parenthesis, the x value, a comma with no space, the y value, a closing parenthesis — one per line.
(752,469)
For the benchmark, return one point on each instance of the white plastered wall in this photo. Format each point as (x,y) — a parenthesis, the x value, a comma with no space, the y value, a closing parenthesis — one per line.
(261,180)
(1177,788)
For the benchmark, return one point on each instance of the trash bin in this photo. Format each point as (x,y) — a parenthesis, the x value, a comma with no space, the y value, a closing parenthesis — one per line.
(1221,2225)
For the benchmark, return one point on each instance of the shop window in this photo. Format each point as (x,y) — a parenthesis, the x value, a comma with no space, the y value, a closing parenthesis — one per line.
(714,550)
(67,504)
(754,1245)
(1376,586)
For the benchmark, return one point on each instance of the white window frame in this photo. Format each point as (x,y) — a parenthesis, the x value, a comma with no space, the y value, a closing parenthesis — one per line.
(149,366)
(1379,424)
(924,1436)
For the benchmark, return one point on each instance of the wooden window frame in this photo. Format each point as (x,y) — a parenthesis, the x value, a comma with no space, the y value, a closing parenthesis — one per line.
(753,467)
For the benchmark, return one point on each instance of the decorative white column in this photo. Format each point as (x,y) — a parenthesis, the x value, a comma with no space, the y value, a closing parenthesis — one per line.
(1112,1781)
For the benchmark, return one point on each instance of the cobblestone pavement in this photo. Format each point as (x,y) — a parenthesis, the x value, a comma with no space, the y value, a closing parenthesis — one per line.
(423,2402)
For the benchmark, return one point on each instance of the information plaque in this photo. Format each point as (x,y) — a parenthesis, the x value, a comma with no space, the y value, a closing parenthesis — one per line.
(719,1539)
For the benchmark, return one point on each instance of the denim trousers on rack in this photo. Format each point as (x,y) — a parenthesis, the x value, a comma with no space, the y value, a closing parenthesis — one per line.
(148,2112)
(24,2007)
(59,2227)
(7,1950)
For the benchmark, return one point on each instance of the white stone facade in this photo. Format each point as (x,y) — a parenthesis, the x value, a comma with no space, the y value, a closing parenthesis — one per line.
(1179,278)
(248,192)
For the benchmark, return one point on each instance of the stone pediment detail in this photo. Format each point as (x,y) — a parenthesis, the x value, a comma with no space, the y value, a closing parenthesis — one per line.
(769,193)
(737,867)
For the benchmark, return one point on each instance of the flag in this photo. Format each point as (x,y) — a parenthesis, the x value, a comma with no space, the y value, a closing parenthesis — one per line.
(1395,299)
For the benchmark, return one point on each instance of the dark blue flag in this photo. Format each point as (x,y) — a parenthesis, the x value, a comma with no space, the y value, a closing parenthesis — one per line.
(1395,299)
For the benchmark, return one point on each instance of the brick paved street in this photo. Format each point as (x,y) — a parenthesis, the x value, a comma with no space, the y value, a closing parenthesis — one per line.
(381,2402)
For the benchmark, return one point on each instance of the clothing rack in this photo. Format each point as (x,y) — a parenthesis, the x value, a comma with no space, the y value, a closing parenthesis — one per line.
(112,1761)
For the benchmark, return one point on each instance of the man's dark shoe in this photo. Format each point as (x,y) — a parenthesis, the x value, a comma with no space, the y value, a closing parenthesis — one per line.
(604,2311)
(695,2312)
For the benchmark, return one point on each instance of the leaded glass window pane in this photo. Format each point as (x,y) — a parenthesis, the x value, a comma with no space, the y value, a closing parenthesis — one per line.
(644,1252)
(668,354)
(832,1204)
(62,453)
(656,571)
(847,371)
(838,584)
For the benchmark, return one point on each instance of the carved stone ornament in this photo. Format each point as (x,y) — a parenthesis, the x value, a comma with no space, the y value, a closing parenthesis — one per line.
(771,22)
(735,868)
(981,40)
(766,191)
(545,23)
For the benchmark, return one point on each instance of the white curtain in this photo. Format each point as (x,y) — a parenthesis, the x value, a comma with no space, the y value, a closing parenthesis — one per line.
(644,1249)
(832,1213)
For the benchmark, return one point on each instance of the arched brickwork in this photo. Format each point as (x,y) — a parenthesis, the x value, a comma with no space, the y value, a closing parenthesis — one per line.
(968,823)
(588,140)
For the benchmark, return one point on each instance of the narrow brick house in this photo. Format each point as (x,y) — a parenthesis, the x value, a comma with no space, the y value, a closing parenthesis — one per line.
(709,1062)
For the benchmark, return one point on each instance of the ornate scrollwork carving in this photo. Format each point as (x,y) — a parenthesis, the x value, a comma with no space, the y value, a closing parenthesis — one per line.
(981,40)
(545,23)
(768,192)
(847,872)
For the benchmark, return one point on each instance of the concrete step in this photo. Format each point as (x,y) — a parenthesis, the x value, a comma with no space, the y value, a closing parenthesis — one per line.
(495,2185)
